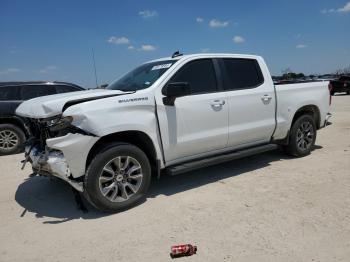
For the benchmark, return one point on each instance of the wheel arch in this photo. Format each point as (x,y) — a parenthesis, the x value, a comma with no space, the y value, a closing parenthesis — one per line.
(134,137)
(312,110)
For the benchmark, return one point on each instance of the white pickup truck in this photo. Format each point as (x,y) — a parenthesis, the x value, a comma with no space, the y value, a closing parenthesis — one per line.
(173,114)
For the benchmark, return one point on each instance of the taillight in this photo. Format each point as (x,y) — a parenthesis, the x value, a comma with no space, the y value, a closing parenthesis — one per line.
(330,87)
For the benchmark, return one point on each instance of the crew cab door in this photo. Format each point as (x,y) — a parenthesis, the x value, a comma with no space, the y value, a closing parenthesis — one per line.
(196,123)
(251,100)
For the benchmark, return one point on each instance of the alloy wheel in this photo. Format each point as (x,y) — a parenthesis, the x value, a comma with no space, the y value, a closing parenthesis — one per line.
(8,139)
(305,135)
(120,178)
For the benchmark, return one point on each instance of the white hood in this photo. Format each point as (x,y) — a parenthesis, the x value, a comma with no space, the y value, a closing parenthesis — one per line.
(48,106)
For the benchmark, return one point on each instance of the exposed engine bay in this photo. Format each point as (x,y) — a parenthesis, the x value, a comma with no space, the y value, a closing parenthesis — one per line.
(42,129)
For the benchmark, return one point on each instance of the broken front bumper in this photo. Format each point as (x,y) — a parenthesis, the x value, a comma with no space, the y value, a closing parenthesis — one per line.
(65,157)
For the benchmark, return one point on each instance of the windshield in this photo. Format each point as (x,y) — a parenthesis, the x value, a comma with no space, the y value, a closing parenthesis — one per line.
(142,77)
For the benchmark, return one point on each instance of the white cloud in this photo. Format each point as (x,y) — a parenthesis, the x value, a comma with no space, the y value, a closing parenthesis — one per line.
(345,9)
(199,20)
(148,13)
(48,69)
(9,71)
(13,70)
(147,48)
(238,39)
(118,40)
(301,46)
(214,23)
(328,11)
(131,47)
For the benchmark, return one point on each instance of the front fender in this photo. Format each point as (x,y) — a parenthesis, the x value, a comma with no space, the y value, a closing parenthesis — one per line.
(112,115)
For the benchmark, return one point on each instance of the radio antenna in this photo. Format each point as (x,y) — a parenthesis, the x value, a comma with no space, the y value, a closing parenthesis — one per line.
(93,59)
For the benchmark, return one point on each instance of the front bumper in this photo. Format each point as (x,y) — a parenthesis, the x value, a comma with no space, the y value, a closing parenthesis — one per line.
(51,164)
(75,148)
(64,157)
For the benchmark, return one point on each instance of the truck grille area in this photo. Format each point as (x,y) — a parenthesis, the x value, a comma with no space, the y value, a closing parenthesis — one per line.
(39,130)
(38,133)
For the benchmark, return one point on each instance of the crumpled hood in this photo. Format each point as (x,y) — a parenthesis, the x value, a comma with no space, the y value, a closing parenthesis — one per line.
(48,106)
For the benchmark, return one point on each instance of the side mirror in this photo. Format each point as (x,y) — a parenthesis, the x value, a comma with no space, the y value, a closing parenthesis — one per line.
(174,90)
(103,86)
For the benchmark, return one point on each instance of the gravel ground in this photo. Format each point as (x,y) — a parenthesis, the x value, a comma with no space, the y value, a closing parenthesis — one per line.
(263,208)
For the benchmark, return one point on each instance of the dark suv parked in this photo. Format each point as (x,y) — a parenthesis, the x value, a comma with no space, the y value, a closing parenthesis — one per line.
(13,130)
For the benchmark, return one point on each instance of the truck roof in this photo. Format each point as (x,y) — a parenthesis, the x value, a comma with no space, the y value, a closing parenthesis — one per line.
(206,55)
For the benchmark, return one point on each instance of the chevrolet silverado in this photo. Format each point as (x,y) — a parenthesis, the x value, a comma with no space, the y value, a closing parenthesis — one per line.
(169,115)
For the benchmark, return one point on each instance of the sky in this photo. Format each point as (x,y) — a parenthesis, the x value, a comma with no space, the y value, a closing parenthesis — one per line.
(53,40)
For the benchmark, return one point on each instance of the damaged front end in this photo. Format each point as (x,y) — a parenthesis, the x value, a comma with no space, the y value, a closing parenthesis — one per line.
(51,163)
(53,146)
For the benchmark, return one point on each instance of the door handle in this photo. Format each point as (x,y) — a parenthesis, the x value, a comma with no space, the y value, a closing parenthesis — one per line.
(266,99)
(217,103)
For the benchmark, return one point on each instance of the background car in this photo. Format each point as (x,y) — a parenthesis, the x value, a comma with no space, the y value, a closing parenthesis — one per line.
(341,85)
(13,131)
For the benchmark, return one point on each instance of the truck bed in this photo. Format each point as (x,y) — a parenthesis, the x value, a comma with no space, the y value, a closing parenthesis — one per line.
(291,97)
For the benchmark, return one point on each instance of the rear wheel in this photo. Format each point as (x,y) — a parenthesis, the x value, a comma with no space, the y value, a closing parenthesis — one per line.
(118,178)
(302,136)
(11,139)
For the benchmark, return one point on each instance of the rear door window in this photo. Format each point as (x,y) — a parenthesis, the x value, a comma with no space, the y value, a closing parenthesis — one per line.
(32,91)
(9,93)
(241,73)
(65,89)
(200,74)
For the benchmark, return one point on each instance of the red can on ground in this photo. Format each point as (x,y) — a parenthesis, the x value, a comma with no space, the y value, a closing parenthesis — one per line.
(183,250)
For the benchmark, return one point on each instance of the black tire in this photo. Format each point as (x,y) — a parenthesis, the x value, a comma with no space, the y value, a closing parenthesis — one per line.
(93,191)
(348,92)
(332,93)
(14,133)
(296,147)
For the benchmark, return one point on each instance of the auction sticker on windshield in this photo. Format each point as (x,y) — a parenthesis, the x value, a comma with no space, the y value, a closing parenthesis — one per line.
(163,66)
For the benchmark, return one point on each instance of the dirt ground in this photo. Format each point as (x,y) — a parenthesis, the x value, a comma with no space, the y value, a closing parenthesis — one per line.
(264,208)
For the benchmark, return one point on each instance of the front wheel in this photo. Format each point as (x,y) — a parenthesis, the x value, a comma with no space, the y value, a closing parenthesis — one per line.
(117,178)
(302,136)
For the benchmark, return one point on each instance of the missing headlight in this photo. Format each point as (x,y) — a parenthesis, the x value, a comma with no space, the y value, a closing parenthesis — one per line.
(61,124)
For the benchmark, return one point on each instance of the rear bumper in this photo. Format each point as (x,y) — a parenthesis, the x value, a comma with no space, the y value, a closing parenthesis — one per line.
(326,121)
